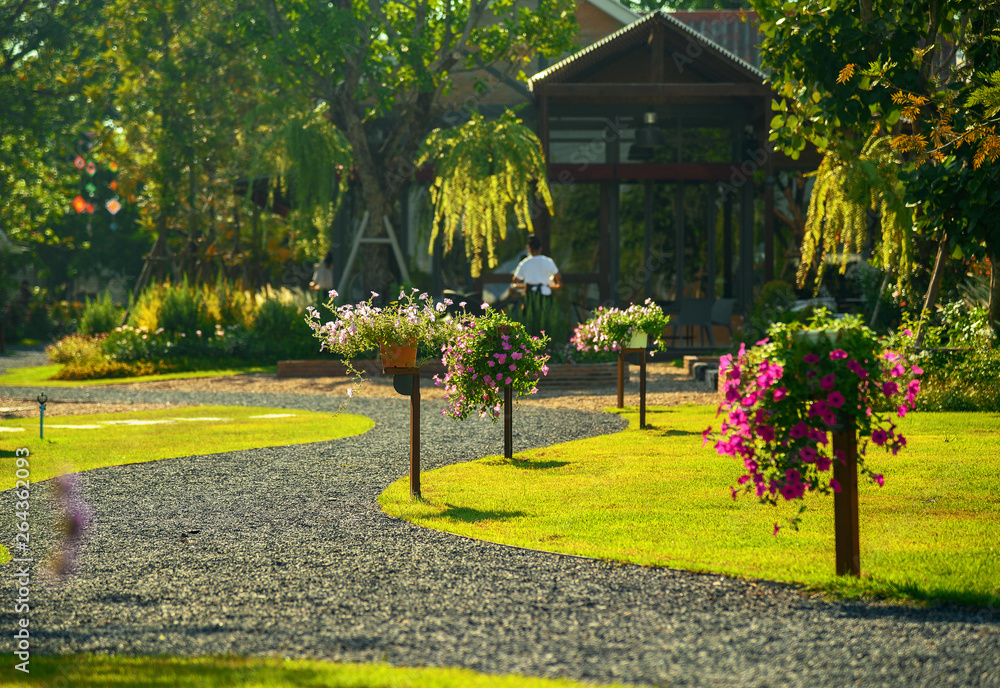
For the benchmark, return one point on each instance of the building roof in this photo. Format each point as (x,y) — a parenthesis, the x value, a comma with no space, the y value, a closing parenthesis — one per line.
(615,10)
(635,34)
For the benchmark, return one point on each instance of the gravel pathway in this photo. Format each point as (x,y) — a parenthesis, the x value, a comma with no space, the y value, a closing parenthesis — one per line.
(248,553)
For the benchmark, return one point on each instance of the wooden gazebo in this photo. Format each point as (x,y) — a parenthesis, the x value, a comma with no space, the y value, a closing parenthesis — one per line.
(656,139)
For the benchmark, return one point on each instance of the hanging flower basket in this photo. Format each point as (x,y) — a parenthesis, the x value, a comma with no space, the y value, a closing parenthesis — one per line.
(612,329)
(787,395)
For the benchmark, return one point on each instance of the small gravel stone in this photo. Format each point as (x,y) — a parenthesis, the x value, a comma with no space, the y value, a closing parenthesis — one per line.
(284,552)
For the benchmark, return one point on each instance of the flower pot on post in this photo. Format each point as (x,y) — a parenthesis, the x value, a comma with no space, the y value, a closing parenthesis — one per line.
(398,354)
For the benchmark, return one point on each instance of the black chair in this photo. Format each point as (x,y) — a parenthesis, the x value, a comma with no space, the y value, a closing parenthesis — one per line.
(695,313)
(722,314)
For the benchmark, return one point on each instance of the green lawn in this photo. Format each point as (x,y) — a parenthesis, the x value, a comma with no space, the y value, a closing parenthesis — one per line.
(101,671)
(79,448)
(42,375)
(657,497)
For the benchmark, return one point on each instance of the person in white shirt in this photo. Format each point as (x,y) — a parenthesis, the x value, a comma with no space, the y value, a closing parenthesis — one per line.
(536,273)
(535,277)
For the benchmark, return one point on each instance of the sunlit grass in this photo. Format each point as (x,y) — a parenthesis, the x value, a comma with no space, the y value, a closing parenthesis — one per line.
(71,449)
(43,376)
(657,497)
(102,671)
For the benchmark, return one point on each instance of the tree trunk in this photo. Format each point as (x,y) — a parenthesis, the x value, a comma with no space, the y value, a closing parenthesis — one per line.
(993,311)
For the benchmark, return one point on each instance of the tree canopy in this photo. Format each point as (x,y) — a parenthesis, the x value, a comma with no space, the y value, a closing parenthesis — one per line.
(920,73)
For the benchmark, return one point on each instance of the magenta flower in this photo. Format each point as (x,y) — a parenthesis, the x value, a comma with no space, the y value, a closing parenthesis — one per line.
(799,430)
(897,370)
(807,454)
(879,437)
(917,371)
(705,435)
(879,479)
(834,485)
(901,411)
(776,529)
(835,399)
(889,388)
(827,382)
(766,433)
(822,463)
(780,393)
(811,359)
(837,354)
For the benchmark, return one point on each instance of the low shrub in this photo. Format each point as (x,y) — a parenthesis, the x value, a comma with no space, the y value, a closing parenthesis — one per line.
(76,349)
(100,316)
(961,380)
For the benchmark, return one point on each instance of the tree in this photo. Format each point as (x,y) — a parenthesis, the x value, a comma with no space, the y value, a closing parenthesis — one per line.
(387,73)
(880,50)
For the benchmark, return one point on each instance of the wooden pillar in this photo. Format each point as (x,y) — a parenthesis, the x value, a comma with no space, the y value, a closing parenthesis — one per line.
(642,388)
(415,437)
(621,378)
(845,503)
(604,243)
(508,422)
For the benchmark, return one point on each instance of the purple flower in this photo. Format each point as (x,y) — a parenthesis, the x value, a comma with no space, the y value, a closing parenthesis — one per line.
(811,359)
(837,354)
(827,382)
(834,484)
(889,388)
(835,399)
(879,437)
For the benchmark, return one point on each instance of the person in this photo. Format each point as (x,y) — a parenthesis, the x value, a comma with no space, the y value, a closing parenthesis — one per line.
(535,277)
(536,273)
(322,279)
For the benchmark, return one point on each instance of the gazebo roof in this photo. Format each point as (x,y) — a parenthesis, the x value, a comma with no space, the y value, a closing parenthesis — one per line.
(576,66)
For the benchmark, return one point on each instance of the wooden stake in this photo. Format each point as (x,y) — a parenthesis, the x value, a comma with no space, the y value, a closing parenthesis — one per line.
(508,414)
(621,378)
(415,437)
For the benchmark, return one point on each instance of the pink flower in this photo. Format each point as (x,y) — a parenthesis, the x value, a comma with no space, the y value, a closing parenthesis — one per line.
(766,433)
(837,354)
(798,430)
(855,367)
(835,399)
(901,411)
(776,529)
(749,400)
(889,388)
(734,491)
(811,359)
(780,393)
(705,435)
(822,463)
(827,382)
(897,370)
(834,485)
(879,479)
(879,437)
(513,366)
(350,392)
(807,454)
(917,371)
(507,381)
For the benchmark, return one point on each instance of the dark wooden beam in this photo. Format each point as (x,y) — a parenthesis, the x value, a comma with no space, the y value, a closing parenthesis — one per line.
(650,94)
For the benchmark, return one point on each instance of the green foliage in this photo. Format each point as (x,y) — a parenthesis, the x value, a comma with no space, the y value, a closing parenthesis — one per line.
(484,170)
(848,187)
(100,315)
(773,304)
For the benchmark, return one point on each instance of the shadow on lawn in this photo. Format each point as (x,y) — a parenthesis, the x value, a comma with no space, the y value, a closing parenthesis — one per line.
(467,515)
(527,464)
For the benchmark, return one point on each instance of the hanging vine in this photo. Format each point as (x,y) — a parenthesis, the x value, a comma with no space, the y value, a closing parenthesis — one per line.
(846,188)
(484,171)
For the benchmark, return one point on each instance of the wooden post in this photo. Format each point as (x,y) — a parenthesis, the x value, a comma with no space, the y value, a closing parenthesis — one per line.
(508,413)
(414,425)
(415,437)
(621,378)
(845,503)
(642,388)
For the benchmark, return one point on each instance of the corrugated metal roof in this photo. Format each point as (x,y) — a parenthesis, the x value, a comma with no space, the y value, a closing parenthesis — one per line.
(634,34)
